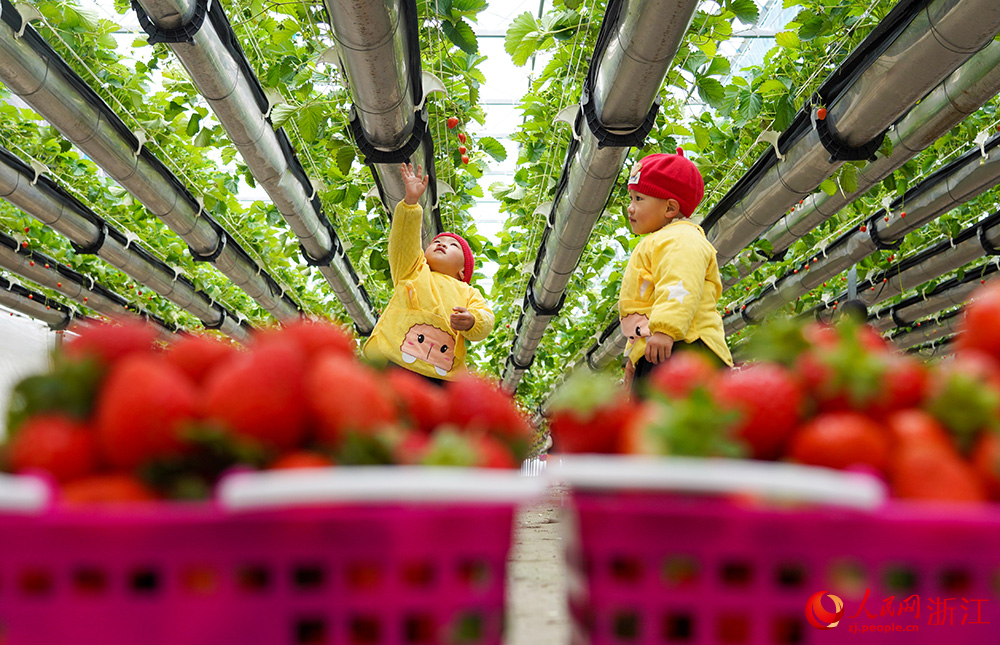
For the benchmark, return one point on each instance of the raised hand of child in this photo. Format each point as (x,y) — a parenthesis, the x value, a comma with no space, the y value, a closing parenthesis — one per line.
(415,183)
(462,320)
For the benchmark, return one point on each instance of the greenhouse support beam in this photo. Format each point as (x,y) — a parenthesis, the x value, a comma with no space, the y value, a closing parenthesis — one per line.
(927,330)
(221,73)
(35,305)
(44,200)
(378,46)
(34,71)
(950,293)
(955,98)
(958,182)
(634,50)
(907,56)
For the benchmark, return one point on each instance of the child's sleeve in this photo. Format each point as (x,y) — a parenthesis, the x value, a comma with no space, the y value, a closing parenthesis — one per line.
(678,264)
(405,254)
(484,316)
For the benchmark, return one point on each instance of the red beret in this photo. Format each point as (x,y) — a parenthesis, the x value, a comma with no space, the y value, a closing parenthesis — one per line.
(669,177)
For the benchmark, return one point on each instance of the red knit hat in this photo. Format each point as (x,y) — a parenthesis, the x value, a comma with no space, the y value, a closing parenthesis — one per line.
(470,263)
(669,177)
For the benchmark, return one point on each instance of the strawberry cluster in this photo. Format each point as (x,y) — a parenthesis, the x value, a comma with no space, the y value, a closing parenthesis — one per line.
(121,417)
(833,396)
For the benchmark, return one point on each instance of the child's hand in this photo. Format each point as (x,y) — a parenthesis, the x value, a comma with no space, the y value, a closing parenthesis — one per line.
(658,347)
(416,183)
(462,320)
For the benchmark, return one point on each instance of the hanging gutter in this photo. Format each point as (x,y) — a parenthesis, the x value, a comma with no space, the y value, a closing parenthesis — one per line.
(210,52)
(958,96)
(35,72)
(634,49)
(927,330)
(35,305)
(915,47)
(935,349)
(378,43)
(956,183)
(47,202)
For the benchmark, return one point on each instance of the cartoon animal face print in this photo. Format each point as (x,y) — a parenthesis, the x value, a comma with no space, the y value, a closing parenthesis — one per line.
(635,325)
(431,345)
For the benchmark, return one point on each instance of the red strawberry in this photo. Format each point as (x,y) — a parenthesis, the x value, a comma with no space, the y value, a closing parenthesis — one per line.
(462,150)
(985,460)
(260,396)
(411,448)
(769,401)
(452,122)
(301,459)
(142,411)
(492,453)
(346,396)
(423,403)
(905,384)
(197,355)
(475,403)
(110,488)
(979,321)
(110,342)
(908,427)
(313,338)
(57,444)
(925,472)
(965,395)
(840,440)
(465,159)
(461,137)
(682,373)
(589,414)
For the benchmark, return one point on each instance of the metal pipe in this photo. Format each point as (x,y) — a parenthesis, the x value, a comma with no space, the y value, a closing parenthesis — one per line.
(935,42)
(34,304)
(225,79)
(626,80)
(955,98)
(42,200)
(927,330)
(42,79)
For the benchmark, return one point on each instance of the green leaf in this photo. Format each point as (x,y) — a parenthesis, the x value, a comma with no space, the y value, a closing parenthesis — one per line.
(461,34)
(711,91)
(345,157)
(746,11)
(493,148)
(829,187)
(204,138)
(849,178)
(784,113)
(280,113)
(521,39)
(750,106)
(193,124)
(788,40)
(701,136)
(811,28)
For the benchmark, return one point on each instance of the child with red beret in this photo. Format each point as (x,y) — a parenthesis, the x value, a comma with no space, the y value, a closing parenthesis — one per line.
(671,285)
(433,309)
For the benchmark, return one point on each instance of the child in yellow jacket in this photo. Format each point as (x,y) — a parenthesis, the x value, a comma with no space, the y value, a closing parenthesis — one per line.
(671,285)
(433,309)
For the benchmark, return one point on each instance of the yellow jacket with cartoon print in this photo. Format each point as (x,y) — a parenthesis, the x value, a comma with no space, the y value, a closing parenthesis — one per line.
(672,285)
(415,329)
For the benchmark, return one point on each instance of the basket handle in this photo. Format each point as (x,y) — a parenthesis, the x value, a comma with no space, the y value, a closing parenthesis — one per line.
(23,494)
(767,479)
(249,490)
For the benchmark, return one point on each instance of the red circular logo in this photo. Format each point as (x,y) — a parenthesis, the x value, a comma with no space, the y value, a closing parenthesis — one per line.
(818,616)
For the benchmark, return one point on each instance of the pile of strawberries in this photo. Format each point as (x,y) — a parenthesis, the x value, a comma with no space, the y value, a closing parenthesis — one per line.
(121,417)
(833,396)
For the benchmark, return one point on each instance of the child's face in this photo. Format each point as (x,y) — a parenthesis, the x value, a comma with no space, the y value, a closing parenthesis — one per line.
(445,255)
(647,214)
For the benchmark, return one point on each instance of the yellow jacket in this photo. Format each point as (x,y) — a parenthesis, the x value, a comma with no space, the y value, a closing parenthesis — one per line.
(415,331)
(672,285)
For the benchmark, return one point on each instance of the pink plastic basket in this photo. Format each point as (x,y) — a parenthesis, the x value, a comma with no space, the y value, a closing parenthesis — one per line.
(653,566)
(371,572)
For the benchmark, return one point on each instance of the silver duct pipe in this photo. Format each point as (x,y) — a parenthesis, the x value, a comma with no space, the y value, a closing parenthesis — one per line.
(927,331)
(43,80)
(958,96)
(890,317)
(42,200)
(375,41)
(967,178)
(34,305)
(227,82)
(935,42)
(626,80)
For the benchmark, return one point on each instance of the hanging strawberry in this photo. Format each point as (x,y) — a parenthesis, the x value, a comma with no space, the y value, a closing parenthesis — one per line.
(452,122)
(465,158)
(462,149)
(461,137)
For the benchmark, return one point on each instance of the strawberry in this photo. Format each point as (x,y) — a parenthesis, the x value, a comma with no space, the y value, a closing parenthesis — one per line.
(906,381)
(682,373)
(465,159)
(908,427)
(478,404)
(260,396)
(411,448)
(110,342)
(197,355)
(925,472)
(462,150)
(964,395)
(840,440)
(978,330)
(492,453)
(301,459)
(452,122)
(313,338)
(345,397)
(109,488)
(769,401)
(461,137)
(61,446)
(589,414)
(693,426)
(424,404)
(143,410)
(985,459)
